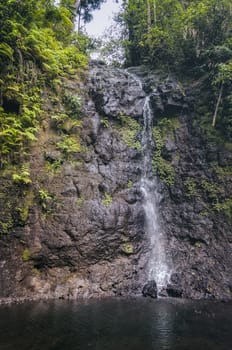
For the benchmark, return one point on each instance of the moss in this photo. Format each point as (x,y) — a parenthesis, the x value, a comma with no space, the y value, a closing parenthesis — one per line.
(168,127)
(69,145)
(190,187)
(211,193)
(223,171)
(6,226)
(129,184)
(161,132)
(210,189)
(12,197)
(202,188)
(162,167)
(198,244)
(26,255)
(129,131)
(228,146)
(204,213)
(107,200)
(23,210)
(225,207)
(80,201)
(127,248)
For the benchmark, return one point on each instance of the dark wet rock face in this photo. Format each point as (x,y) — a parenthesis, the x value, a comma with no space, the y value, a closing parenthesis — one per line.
(174,291)
(115,92)
(150,289)
(80,231)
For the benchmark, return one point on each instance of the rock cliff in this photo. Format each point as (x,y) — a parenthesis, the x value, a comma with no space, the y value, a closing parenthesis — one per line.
(77,227)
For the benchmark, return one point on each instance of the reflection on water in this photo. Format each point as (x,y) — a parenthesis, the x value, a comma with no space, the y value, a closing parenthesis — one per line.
(113,324)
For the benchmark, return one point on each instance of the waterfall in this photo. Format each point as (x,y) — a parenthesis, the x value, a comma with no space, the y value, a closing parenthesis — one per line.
(158,269)
(158,266)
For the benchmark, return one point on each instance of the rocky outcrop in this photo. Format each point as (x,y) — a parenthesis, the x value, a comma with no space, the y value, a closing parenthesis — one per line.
(78,226)
(150,289)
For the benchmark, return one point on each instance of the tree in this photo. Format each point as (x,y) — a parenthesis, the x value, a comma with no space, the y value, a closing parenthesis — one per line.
(176,32)
(84,9)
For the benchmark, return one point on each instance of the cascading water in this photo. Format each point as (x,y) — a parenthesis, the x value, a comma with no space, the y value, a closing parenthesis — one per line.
(158,266)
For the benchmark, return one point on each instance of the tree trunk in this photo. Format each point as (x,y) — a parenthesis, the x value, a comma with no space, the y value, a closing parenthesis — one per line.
(148,15)
(154,12)
(217,106)
(78,11)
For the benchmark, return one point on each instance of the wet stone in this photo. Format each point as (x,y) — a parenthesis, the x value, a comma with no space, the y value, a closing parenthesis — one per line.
(150,289)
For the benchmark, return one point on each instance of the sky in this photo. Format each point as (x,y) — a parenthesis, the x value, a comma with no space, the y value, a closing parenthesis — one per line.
(102,18)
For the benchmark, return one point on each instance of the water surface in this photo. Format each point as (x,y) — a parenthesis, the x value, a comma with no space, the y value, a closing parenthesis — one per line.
(114,324)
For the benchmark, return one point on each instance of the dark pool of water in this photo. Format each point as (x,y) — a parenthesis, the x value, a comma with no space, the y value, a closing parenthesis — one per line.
(113,324)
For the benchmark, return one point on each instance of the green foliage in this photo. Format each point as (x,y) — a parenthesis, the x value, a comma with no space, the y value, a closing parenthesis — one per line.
(69,145)
(167,127)
(175,32)
(162,167)
(223,171)
(26,255)
(65,124)
(195,187)
(6,51)
(127,248)
(107,200)
(55,166)
(190,187)
(192,38)
(73,105)
(5,226)
(44,198)
(129,184)
(85,8)
(17,130)
(129,131)
(105,122)
(22,178)
(25,205)
(80,201)
(37,47)
(211,193)
(198,244)
(44,195)
(211,190)
(23,212)
(225,207)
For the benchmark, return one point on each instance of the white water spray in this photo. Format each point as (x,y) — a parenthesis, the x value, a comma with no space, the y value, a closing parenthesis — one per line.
(158,267)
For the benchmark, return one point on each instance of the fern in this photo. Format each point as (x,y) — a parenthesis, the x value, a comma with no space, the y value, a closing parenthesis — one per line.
(6,51)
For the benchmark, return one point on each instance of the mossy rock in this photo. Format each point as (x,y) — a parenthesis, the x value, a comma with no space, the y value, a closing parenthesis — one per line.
(26,255)
(127,248)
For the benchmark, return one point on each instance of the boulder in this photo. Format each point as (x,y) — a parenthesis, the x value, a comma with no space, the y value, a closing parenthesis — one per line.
(150,289)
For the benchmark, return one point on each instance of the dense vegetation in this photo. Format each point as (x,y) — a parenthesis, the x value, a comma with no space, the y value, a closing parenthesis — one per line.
(190,37)
(38,46)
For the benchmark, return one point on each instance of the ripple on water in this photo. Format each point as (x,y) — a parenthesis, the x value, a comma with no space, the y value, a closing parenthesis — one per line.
(114,324)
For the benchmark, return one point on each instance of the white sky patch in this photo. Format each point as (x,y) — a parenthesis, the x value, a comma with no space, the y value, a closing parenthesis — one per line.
(103,18)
